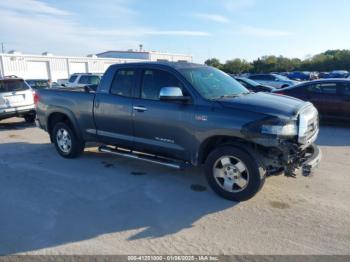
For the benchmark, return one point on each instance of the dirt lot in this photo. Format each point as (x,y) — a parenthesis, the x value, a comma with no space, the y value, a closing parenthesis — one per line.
(99,204)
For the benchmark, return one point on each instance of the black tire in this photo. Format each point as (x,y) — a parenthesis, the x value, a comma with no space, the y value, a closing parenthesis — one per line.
(254,172)
(76,147)
(30,118)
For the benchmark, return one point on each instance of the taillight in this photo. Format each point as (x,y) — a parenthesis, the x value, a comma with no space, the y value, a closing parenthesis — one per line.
(280,93)
(36,97)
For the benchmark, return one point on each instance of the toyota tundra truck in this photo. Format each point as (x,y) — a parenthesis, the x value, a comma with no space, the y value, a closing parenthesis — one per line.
(182,115)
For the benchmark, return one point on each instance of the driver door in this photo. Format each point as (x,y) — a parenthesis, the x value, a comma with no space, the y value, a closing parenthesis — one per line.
(162,127)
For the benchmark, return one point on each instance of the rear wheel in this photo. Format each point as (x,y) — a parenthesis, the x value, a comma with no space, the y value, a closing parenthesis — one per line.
(234,174)
(66,142)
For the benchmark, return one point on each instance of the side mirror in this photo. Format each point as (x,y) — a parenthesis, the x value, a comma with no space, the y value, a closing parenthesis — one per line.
(90,88)
(172,94)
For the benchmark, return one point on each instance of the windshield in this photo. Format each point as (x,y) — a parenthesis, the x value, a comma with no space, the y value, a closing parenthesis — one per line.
(12,85)
(212,83)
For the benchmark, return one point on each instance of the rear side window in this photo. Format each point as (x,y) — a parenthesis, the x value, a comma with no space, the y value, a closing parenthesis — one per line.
(153,80)
(72,79)
(326,88)
(255,77)
(124,82)
(89,80)
(12,85)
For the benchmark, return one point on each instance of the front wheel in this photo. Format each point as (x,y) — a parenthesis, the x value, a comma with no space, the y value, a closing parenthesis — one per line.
(233,173)
(66,142)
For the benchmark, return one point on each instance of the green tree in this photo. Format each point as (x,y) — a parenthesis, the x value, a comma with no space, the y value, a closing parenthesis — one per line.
(237,66)
(213,62)
(326,61)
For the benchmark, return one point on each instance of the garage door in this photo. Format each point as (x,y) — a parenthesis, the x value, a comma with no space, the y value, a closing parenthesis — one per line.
(37,70)
(76,67)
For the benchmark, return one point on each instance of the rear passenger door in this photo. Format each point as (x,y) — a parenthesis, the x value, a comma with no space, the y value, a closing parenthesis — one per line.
(113,110)
(162,127)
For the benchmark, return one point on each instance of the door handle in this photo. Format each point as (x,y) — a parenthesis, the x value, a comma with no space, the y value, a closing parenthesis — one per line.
(140,108)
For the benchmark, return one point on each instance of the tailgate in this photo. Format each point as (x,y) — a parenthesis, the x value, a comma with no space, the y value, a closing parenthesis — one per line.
(16,99)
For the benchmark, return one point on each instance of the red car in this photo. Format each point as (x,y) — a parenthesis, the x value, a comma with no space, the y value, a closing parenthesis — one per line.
(330,96)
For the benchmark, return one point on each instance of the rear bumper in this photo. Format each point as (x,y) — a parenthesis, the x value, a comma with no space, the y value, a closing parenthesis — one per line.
(312,160)
(39,124)
(16,111)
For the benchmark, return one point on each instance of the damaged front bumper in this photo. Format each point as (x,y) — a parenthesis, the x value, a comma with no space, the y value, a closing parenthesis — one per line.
(311,161)
(304,162)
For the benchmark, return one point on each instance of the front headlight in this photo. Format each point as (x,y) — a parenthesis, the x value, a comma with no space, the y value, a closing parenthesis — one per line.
(289,129)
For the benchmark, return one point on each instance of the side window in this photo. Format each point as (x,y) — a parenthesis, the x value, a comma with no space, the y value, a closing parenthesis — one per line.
(256,77)
(72,79)
(153,80)
(326,88)
(270,78)
(313,89)
(344,88)
(124,82)
(84,80)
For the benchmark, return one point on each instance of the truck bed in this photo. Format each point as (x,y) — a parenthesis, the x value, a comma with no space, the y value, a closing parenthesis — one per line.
(75,102)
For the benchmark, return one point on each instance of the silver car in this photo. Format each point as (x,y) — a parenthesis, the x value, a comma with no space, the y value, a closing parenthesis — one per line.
(16,99)
(274,80)
(83,79)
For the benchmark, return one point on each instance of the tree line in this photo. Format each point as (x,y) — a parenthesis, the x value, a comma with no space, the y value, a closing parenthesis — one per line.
(324,62)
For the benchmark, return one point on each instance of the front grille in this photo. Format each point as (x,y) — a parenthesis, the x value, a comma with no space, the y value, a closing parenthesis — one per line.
(308,125)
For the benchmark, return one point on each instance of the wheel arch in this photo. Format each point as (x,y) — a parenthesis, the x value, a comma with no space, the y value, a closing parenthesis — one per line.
(62,116)
(209,144)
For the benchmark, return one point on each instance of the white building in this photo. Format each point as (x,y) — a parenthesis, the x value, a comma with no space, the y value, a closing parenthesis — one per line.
(146,55)
(48,66)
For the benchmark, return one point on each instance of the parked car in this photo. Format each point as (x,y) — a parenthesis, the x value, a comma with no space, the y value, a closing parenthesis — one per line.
(16,99)
(253,86)
(330,96)
(273,80)
(339,74)
(300,76)
(183,114)
(38,83)
(83,79)
(62,82)
(323,75)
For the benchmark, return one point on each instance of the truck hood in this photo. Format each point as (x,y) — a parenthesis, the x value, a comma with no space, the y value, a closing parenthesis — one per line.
(265,103)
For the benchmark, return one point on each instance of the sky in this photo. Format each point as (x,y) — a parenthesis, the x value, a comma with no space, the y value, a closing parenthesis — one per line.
(224,29)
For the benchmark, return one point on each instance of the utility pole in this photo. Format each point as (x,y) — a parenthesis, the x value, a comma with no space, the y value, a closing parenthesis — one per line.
(2,47)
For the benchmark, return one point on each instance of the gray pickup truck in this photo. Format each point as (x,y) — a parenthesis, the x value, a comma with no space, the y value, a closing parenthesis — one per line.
(182,115)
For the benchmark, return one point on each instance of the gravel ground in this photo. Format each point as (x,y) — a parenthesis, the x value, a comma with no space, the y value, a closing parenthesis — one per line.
(99,204)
